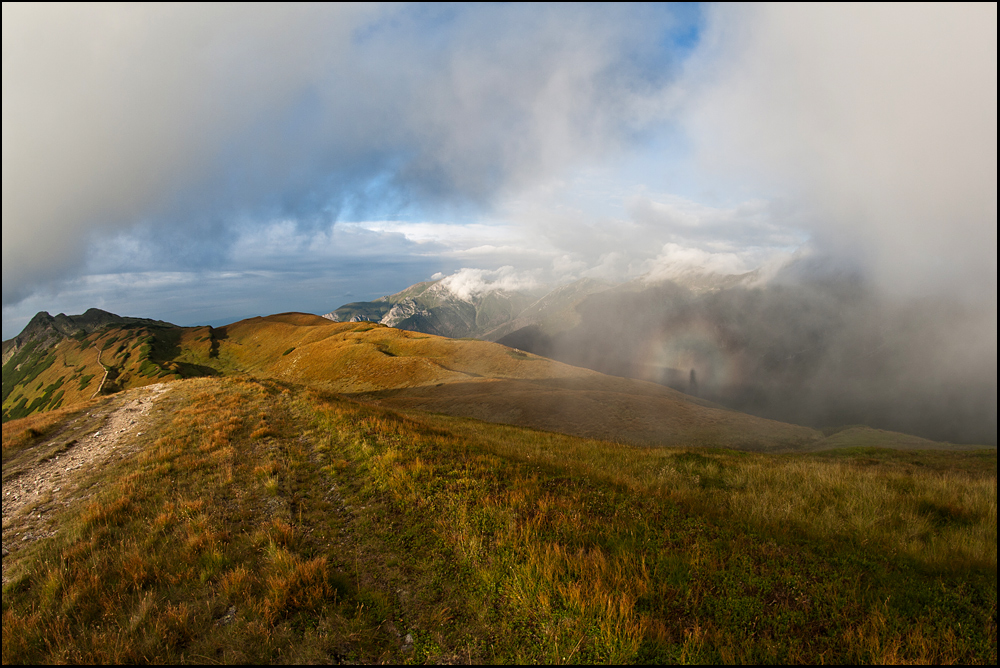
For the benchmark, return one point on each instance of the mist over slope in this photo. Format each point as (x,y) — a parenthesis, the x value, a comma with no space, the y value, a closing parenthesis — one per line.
(808,346)
(820,353)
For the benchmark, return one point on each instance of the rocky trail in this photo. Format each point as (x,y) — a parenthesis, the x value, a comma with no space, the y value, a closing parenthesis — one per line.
(54,472)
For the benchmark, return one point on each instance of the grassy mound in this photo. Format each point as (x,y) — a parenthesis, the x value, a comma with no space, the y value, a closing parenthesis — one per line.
(487,381)
(402,369)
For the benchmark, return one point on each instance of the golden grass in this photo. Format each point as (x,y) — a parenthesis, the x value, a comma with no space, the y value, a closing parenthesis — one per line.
(940,520)
(483,380)
(158,556)
(933,516)
(22,433)
(569,565)
(348,526)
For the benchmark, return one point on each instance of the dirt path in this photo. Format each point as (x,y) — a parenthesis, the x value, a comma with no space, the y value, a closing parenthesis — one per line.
(106,370)
(56,477)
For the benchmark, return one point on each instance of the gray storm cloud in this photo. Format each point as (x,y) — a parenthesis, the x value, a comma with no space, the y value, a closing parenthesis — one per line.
(108,112)
(880,119)
(189,122)
(871,127)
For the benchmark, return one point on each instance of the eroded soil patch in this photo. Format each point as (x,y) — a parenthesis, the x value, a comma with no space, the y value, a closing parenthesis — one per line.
(54,472)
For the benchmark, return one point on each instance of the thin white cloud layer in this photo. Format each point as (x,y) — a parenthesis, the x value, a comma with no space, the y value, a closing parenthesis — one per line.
(879,119)
(453,236)
(468,283)
(754,224)
(676,261)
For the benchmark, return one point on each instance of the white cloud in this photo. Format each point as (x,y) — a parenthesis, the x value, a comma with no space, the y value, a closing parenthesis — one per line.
(193,122)
(452,236)
(675,261)
(210,139)
(467,283)
(751,224)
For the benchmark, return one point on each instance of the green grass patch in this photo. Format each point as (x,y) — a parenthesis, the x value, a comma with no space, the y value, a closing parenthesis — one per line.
(24,366)
(49,399)
(85,381)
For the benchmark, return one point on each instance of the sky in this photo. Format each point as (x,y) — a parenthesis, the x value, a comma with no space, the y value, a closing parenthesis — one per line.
(201,164)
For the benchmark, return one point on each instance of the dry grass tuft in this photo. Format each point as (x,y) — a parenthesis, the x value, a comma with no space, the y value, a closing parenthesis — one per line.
(22,433)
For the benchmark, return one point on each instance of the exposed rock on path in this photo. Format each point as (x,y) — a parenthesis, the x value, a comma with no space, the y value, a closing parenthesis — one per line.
(55,476)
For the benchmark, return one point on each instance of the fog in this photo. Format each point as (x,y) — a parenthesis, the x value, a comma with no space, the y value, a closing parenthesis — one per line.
(879,121)
(879,124)
(807,347)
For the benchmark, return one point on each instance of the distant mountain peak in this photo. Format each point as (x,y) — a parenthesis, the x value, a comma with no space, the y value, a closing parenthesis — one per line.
(44,329)
(436,307)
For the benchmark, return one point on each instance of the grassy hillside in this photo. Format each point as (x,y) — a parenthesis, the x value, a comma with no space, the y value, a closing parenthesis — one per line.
(252,520)
(471,378)
(40,378)
(609,408)
(489,382)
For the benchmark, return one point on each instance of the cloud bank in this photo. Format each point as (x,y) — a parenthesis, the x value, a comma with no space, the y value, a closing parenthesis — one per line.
(192,123)
(880,120)
(467,283)
(609,142)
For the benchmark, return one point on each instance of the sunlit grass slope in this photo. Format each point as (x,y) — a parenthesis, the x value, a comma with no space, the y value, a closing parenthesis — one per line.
(112,359)
(262,521)
(487,381)
(360,357)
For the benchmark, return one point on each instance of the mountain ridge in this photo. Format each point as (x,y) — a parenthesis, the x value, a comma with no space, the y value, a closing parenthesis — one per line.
(395,367)
(401,369)
(44,328)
